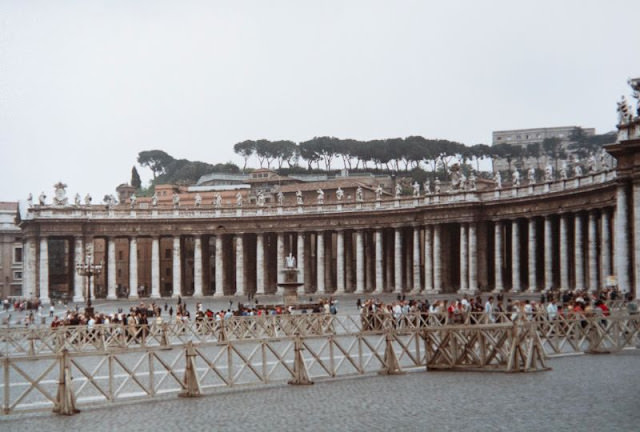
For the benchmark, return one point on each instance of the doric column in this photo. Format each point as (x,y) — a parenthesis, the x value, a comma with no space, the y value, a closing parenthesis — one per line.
(437,260)
(605,247)
(133,268)
(621,240)
(397,261)
(111,269)
(280,255)
(177,269)
(531,258)
(260,285)
(548,254)
(155,267)
(464,252)
(515,257)
(578,254)
(197,266)
(473,258)
(240,285)
(497,253)
(301,260)
(428,258)
(320,263)
(29,267)
(564,252)
(417,285)
(78,281)
(219,267)
(379,269)
(593,254)
(359,262)
(339,262)
(44,270)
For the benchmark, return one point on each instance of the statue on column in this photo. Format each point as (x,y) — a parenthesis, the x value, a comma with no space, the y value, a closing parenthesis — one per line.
(339,194)
(42,199)
(239,199)
(378,192)
(531,176)
(515,178)
(132,201)
(30,200)
(320,196)
(498,179)
(260,199)
(398,190)
(548,173)
(176,200)
(427,187)
(77,200)
(299,197)
(563,171)
(577,170)
(437,186)
(592,163)
(359,194)
(154,200)
(87,199)
(290,261)
(217,201)
(198,200)
(280,198)
(416,189)
(472,181)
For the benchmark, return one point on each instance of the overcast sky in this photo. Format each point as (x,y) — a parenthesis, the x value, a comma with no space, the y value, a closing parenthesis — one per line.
(86,85)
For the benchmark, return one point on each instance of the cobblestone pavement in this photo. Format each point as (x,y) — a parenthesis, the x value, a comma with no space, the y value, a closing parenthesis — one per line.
(586,393)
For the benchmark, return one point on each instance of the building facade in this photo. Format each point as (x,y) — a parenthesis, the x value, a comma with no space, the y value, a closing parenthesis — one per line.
(11,256)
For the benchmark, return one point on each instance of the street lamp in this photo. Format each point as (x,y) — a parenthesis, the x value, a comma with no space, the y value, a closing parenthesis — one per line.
(89,269)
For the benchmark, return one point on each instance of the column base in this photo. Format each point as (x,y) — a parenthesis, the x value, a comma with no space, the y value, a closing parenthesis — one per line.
(78,299)
(155,296)
(112,297)
(44,300)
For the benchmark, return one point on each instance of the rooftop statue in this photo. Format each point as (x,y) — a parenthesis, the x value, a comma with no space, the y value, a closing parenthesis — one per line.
(548,173)
(299,197)
(30,200)
(359,194)
(378,192)
(217,201)
(87,199)
(77,200)
(280,198)
(339,194)
(42,199)
(531,176)
(154,200)
(577,170)
(416,189)
(260,199)
(624,114)
(239,199)
(473,181)
(176,200)
(592,163)
(398,190)
(132,200)
(515,178)
(498,179)
(60,197)
(437,186)
(320,196)
(198,200)
(563,171)
(427,187)
(604,163)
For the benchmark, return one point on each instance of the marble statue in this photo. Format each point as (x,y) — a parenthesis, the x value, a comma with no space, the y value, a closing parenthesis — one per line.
(563,171)
(359,194)
(437,186)
(498,179)
(176,200)
(30,199)
(77,200)
(473,181)
(198,200)
(320,198)
(398,190)
(290,261)
(154,200)
(548,173)
(87,199)
(280,198)
(515,178)
(260,199)
(379,192)
(531,175)
(624,116)
(299,199)
(592,163)
(416,189)
(239,199)
(577,170)
(42,199)
(339,194)
(462,181)
(427,187)
(60,196)
(217,200)
(132,200)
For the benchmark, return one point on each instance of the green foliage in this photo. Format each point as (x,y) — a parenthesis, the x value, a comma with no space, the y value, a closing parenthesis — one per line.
(135,178)
(156,160)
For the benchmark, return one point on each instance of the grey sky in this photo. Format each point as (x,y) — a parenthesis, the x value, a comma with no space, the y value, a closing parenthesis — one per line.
(86,85)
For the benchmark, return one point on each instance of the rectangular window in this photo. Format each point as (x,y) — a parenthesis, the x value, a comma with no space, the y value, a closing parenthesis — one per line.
(17,255)
(120,256)
(167,253)
(17,275)
(167,272)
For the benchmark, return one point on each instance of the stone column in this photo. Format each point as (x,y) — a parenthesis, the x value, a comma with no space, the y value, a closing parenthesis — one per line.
(197,266)
(78,281)
(397,261)
(360,262)
(515,257)
(240,285)
(340,262)
(578,254)
(428,258)
(133,268)
(155,267)
(44,270)
(464,252)
(564,252)
(111,269)
(548,254)
(605,248)
(29,268)
(280,256)
(320,289)
(497,233)
(379,261)
(177,268)
(635,232)
(621,240)
(437,260)
(219,267)
(473,258)
(417,285)
(531,258)
(301,260)
(593,254)
(260,285)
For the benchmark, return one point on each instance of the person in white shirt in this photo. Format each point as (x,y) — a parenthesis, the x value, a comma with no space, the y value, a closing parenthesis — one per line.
(552,310)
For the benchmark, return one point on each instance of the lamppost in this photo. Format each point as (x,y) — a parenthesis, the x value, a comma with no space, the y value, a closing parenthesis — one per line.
(89,269)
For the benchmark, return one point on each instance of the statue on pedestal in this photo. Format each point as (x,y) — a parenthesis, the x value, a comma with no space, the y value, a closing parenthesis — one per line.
(398,190)
(437,186)
(498,179)
(176,200)
(87,199)
(132,201)
(299,199)
(359,195)
(515,178)
(280,198)
(60,197)
(427,187)
(42,199)
(198,200)
(378,192)
(548,173)
(416,189)
(339,194)
(577,170)
(77,200)
(154,200)
(290,261)
(563,171)
(531,176)
(320,198)
(260,199)
(217,201)
(472,181)
(592,163)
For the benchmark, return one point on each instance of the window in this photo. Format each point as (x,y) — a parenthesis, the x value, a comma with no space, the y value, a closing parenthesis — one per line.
(120,256)
(167,253)
(17,255)
(167,272)
(17,275)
